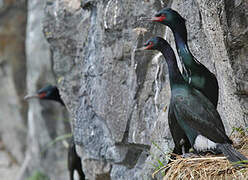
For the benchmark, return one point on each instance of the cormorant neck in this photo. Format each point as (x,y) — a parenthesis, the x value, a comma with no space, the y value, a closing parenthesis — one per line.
(174,72)
(61,102)
(181,42)
(56,97)
(180,33)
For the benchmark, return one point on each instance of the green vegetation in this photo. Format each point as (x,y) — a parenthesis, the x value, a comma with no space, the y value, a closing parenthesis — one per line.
(57,139)
(160,162)
(37,175)
(240,130)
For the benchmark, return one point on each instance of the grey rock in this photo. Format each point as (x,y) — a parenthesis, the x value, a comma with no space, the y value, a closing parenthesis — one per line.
(8,169)
(12,78)
(117,95)
(46,120)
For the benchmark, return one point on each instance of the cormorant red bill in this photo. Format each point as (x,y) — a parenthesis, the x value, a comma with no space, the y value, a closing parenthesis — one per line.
(148,45)
(43,93)
(152,44)
(159,18)
(169,17)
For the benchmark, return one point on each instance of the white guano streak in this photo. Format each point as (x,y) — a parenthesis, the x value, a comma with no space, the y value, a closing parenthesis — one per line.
(158,74)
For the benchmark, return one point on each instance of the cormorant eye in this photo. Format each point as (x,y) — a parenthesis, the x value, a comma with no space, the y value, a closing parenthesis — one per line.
(150,43)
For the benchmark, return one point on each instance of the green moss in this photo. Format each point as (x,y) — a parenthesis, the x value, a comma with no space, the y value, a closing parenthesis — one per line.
(38,176)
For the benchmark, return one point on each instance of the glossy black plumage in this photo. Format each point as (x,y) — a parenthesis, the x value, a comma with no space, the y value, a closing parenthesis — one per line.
(193,112)
(50,92)
(195,73)
(74,162)
(179,137)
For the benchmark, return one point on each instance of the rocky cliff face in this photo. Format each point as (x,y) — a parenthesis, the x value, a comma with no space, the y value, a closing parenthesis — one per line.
(117,95)
(25,66)
(12,81)
(46,120)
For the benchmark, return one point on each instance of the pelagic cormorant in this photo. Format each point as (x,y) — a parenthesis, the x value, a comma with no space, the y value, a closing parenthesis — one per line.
(50,92)
(195,73)
(193,112)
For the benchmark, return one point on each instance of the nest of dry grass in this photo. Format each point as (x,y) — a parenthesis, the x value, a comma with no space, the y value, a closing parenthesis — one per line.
(209,166)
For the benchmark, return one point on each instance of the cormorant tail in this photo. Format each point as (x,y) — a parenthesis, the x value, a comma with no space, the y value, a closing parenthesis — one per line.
(232,155)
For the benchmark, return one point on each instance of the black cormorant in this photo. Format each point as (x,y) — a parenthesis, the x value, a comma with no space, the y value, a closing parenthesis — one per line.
(193,112)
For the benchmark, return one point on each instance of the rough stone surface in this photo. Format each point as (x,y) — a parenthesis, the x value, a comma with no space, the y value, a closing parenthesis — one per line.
(118,96)
(12,81)
(8,166)
(46,120)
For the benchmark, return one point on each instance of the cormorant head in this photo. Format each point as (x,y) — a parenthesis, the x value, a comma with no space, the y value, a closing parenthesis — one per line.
(48,92)
(155,43)
(168,17)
